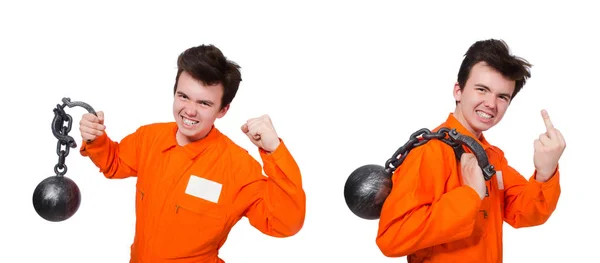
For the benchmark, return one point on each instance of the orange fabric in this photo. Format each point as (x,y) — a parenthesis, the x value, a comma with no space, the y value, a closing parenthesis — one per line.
(177,227)
(430,216)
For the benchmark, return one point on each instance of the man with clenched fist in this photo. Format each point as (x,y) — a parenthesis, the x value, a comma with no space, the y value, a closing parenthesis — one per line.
(441,209)
(193,183)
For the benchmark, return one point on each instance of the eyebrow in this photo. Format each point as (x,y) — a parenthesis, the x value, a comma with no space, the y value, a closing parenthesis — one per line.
(488,89)
(210,103)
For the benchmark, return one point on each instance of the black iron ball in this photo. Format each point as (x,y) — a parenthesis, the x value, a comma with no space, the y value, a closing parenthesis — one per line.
(56,198)
(366,189)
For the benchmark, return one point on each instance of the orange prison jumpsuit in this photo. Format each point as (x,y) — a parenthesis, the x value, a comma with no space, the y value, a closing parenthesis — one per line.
(430,216)
(188,198)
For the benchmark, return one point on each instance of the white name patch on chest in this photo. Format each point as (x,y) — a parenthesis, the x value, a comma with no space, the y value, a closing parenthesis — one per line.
(203,188)
(500,180)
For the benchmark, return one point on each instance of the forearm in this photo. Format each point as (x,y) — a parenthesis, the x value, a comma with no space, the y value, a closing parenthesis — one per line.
(533,203)
(408,225)
(281,208)
(105,154)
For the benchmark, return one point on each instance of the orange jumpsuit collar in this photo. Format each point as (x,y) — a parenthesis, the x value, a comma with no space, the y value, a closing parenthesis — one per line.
(192,149)
(453,123)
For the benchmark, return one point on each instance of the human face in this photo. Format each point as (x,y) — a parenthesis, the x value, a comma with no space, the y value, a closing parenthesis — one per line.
(196,106)
(484,99)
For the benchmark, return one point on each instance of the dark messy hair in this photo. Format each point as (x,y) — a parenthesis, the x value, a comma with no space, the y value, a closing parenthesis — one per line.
(207,63)
(496,54)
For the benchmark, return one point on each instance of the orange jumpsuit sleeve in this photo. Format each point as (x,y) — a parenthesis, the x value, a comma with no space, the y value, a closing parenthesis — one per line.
(277,203)
(115,160)
(529,202)
(419,213)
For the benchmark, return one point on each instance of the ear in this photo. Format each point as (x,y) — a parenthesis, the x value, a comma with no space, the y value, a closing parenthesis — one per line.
(223,111)
(457,92)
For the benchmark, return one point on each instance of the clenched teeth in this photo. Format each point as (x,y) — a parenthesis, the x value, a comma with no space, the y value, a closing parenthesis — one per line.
(484,115)
(189,122)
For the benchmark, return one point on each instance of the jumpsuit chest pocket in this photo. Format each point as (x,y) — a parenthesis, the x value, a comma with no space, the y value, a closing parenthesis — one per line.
(199,197)
(198,207)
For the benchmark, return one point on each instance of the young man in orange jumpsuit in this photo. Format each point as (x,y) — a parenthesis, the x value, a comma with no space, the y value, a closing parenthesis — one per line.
(441,209)
(193,183)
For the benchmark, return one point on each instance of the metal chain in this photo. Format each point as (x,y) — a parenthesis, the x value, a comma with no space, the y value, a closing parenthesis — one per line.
(61,126)
(419,138)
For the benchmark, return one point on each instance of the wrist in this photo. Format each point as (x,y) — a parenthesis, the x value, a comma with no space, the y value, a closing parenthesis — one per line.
(272,147)
(482,194)
(543,176)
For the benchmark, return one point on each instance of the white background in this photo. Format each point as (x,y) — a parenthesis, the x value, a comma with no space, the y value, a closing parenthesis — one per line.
(344,83)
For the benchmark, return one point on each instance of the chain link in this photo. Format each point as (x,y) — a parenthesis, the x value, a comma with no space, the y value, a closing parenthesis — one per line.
(448,136)
(61,126)
(419,138)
